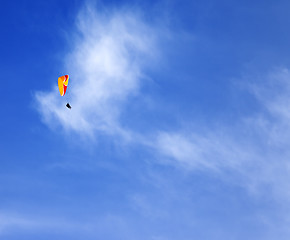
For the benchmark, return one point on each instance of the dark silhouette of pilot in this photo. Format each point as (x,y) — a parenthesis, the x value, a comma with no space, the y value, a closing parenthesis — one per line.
(68,106)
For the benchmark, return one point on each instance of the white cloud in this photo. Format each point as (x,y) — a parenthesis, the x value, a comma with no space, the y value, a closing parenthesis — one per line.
(255,150)
(9,222)
(94,226)
(201,152)
(105,67)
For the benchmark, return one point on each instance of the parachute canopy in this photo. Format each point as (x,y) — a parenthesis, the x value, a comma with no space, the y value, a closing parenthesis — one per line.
(62,84)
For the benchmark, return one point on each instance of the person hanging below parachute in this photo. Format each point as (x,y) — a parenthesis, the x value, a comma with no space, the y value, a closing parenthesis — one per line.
(68,106)
(62,86)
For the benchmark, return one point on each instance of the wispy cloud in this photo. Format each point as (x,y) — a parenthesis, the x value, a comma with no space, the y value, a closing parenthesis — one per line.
(193,151)
(254,149)
(109,54)
(96,226)
(106,65)
(11,222)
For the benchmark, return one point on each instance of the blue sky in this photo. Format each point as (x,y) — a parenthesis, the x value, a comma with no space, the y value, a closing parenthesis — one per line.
(179,127)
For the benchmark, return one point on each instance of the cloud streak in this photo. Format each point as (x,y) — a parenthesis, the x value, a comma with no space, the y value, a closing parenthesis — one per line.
(106,69)
(254,149)
(106,65)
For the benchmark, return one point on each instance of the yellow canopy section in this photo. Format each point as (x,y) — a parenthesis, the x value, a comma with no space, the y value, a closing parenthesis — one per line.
(62,84)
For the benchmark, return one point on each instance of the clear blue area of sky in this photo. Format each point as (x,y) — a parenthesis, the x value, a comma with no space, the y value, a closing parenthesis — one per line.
(64,182)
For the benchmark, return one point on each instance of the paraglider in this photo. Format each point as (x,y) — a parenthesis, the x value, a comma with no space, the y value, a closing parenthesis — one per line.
(62,86)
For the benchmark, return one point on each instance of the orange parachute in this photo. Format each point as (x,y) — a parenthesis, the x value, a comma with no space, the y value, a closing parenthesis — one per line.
(62,84)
